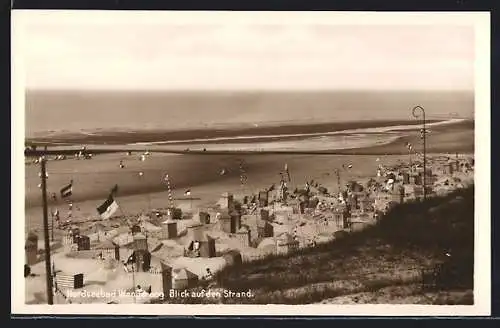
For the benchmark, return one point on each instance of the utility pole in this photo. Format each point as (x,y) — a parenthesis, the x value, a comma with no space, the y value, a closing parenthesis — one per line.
(423,136)
(48,268)
(52,226)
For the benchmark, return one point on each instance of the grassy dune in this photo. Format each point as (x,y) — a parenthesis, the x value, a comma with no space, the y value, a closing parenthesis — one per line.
(381,264)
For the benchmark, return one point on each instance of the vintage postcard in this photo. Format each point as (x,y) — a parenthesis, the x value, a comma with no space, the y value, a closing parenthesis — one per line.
(250,163)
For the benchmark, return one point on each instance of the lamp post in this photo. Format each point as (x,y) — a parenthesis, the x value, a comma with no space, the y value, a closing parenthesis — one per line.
(416,114)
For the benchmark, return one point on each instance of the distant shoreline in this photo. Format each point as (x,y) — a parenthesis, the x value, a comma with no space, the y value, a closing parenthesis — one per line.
(269,132)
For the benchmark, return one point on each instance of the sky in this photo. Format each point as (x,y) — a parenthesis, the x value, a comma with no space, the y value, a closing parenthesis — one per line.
(113,52)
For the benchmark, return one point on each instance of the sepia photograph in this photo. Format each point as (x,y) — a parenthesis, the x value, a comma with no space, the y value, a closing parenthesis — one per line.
(178,161)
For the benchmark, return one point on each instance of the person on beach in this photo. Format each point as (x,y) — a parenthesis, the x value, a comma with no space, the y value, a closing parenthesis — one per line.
(208,275)
(196,248)
(209,278)
(125,266)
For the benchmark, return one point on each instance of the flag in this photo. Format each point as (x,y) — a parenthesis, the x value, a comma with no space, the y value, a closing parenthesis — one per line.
(67,190)
(131,259)
(55,214)
(187,192)
(114,190)
(271,188)
(108,208)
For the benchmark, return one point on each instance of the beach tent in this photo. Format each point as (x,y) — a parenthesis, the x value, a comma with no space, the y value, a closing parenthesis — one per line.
(204,246)
(233,257)
(286,243)
(108,250)
(169,229)
(183,279)
(267,245)
(264,229)
(31,251)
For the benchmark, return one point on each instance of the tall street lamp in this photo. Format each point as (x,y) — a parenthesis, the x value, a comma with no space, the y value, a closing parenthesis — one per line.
(419,112)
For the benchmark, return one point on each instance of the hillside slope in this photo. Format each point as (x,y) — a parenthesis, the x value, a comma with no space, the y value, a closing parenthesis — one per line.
(381,264)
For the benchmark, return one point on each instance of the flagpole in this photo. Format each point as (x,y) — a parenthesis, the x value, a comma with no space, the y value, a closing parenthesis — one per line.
(149,203)
(148,200)
(119,206)
(48,269)
(411,165)
(113,193)
(170,196)
(190,201)
(337,172)
(133,280)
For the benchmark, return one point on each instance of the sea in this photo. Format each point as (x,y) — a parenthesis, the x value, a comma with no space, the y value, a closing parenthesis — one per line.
(51,113)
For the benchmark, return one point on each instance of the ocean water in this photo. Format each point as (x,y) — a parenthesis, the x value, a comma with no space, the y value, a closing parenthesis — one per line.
(52,112)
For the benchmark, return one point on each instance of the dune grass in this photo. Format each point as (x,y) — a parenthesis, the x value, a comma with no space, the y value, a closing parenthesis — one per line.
(381,264)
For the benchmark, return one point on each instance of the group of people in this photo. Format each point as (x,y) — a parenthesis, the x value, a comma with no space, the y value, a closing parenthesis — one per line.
(140,290)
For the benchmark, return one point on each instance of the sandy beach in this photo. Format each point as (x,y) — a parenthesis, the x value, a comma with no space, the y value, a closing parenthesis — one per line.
(202,173)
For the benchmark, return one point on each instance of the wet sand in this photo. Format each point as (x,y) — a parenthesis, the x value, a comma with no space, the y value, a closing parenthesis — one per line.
(128,136)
